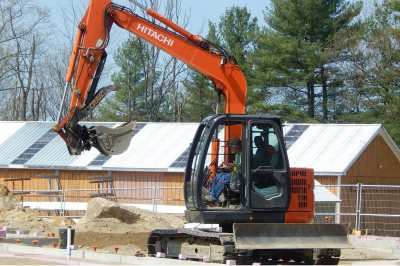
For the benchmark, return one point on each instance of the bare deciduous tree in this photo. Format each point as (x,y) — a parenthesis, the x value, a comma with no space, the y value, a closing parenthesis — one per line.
(21,30)
(163,73)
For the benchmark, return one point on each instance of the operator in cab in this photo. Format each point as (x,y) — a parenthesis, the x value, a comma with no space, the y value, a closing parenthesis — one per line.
(227,170)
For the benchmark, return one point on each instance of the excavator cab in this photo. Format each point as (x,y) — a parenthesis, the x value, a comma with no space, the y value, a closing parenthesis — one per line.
(266,212)
(262,182)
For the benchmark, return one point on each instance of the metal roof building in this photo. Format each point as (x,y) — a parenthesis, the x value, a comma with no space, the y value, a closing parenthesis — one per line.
(33,157)
(154,147)
(330,149)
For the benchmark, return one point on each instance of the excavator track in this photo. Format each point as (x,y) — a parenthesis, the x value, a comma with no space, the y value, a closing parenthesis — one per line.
(194,244)
(220,247)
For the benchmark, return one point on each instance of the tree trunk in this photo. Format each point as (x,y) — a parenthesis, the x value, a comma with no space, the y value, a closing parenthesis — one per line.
(324,95)
(311,99)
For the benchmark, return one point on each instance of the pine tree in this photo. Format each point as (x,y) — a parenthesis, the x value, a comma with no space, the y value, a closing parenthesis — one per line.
(376,77)
(237,32)
(298,49)
(127,104)
(148,79)
(200,99)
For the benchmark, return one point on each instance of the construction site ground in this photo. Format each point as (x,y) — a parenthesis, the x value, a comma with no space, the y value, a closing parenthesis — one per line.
(114,234)
(12,254)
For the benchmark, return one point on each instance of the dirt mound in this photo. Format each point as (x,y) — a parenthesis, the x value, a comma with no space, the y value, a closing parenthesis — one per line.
(7,200)
(102,208)
(13,215)
(105,216)
(61,222)
(128,243)
(24,219)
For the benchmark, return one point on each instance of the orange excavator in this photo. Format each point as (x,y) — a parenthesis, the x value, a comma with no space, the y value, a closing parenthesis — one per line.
(266,213)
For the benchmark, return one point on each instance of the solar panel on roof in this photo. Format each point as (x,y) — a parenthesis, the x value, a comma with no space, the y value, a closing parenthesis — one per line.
(35,147)
(99,160)
(138,127)
(294,134)
(182,159)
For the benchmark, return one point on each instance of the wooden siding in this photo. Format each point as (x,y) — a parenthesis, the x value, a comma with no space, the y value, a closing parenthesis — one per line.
(79,179)
(329,180)
(372,180)
(148,182)
(173,196)
(377,165)
(377,160)
(132,182)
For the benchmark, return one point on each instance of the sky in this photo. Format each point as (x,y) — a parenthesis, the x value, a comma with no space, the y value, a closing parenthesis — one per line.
(199,12)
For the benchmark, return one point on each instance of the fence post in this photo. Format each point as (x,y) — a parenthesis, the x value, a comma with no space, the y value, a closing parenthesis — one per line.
(358,206)
(155,196)
(63,202)
(339,204)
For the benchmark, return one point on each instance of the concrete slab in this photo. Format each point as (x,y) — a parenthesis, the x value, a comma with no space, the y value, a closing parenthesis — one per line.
(95,256)
(11,258)
(159,261)
(378,262)
(389,245)
(107,257)
(40,250)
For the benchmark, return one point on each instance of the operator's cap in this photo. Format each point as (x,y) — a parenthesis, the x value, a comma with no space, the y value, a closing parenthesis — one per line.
(234,141)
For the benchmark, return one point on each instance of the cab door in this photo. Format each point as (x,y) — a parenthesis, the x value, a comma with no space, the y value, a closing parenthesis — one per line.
(268,168)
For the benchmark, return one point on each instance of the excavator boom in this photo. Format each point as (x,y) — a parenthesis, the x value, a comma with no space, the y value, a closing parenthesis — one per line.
(89,56)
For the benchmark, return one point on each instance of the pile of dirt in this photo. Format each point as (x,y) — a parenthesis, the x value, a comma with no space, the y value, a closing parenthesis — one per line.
(24,219)
(105,216)
(14,215)
(7,199)
(61,222)
(128,243)
(108,225)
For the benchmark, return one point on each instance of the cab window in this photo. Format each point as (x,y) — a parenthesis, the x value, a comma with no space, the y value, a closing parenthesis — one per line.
(266,158)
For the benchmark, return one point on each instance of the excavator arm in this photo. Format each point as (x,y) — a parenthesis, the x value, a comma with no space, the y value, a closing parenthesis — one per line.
(89,56)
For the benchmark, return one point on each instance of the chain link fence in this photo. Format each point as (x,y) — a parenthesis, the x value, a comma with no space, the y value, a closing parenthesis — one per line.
(371,209)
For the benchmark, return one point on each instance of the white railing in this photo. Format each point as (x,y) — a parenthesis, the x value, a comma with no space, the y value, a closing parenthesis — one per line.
(73,202)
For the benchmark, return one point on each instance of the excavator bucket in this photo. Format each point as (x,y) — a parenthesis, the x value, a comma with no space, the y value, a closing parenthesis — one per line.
(113,141)
(290,236)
